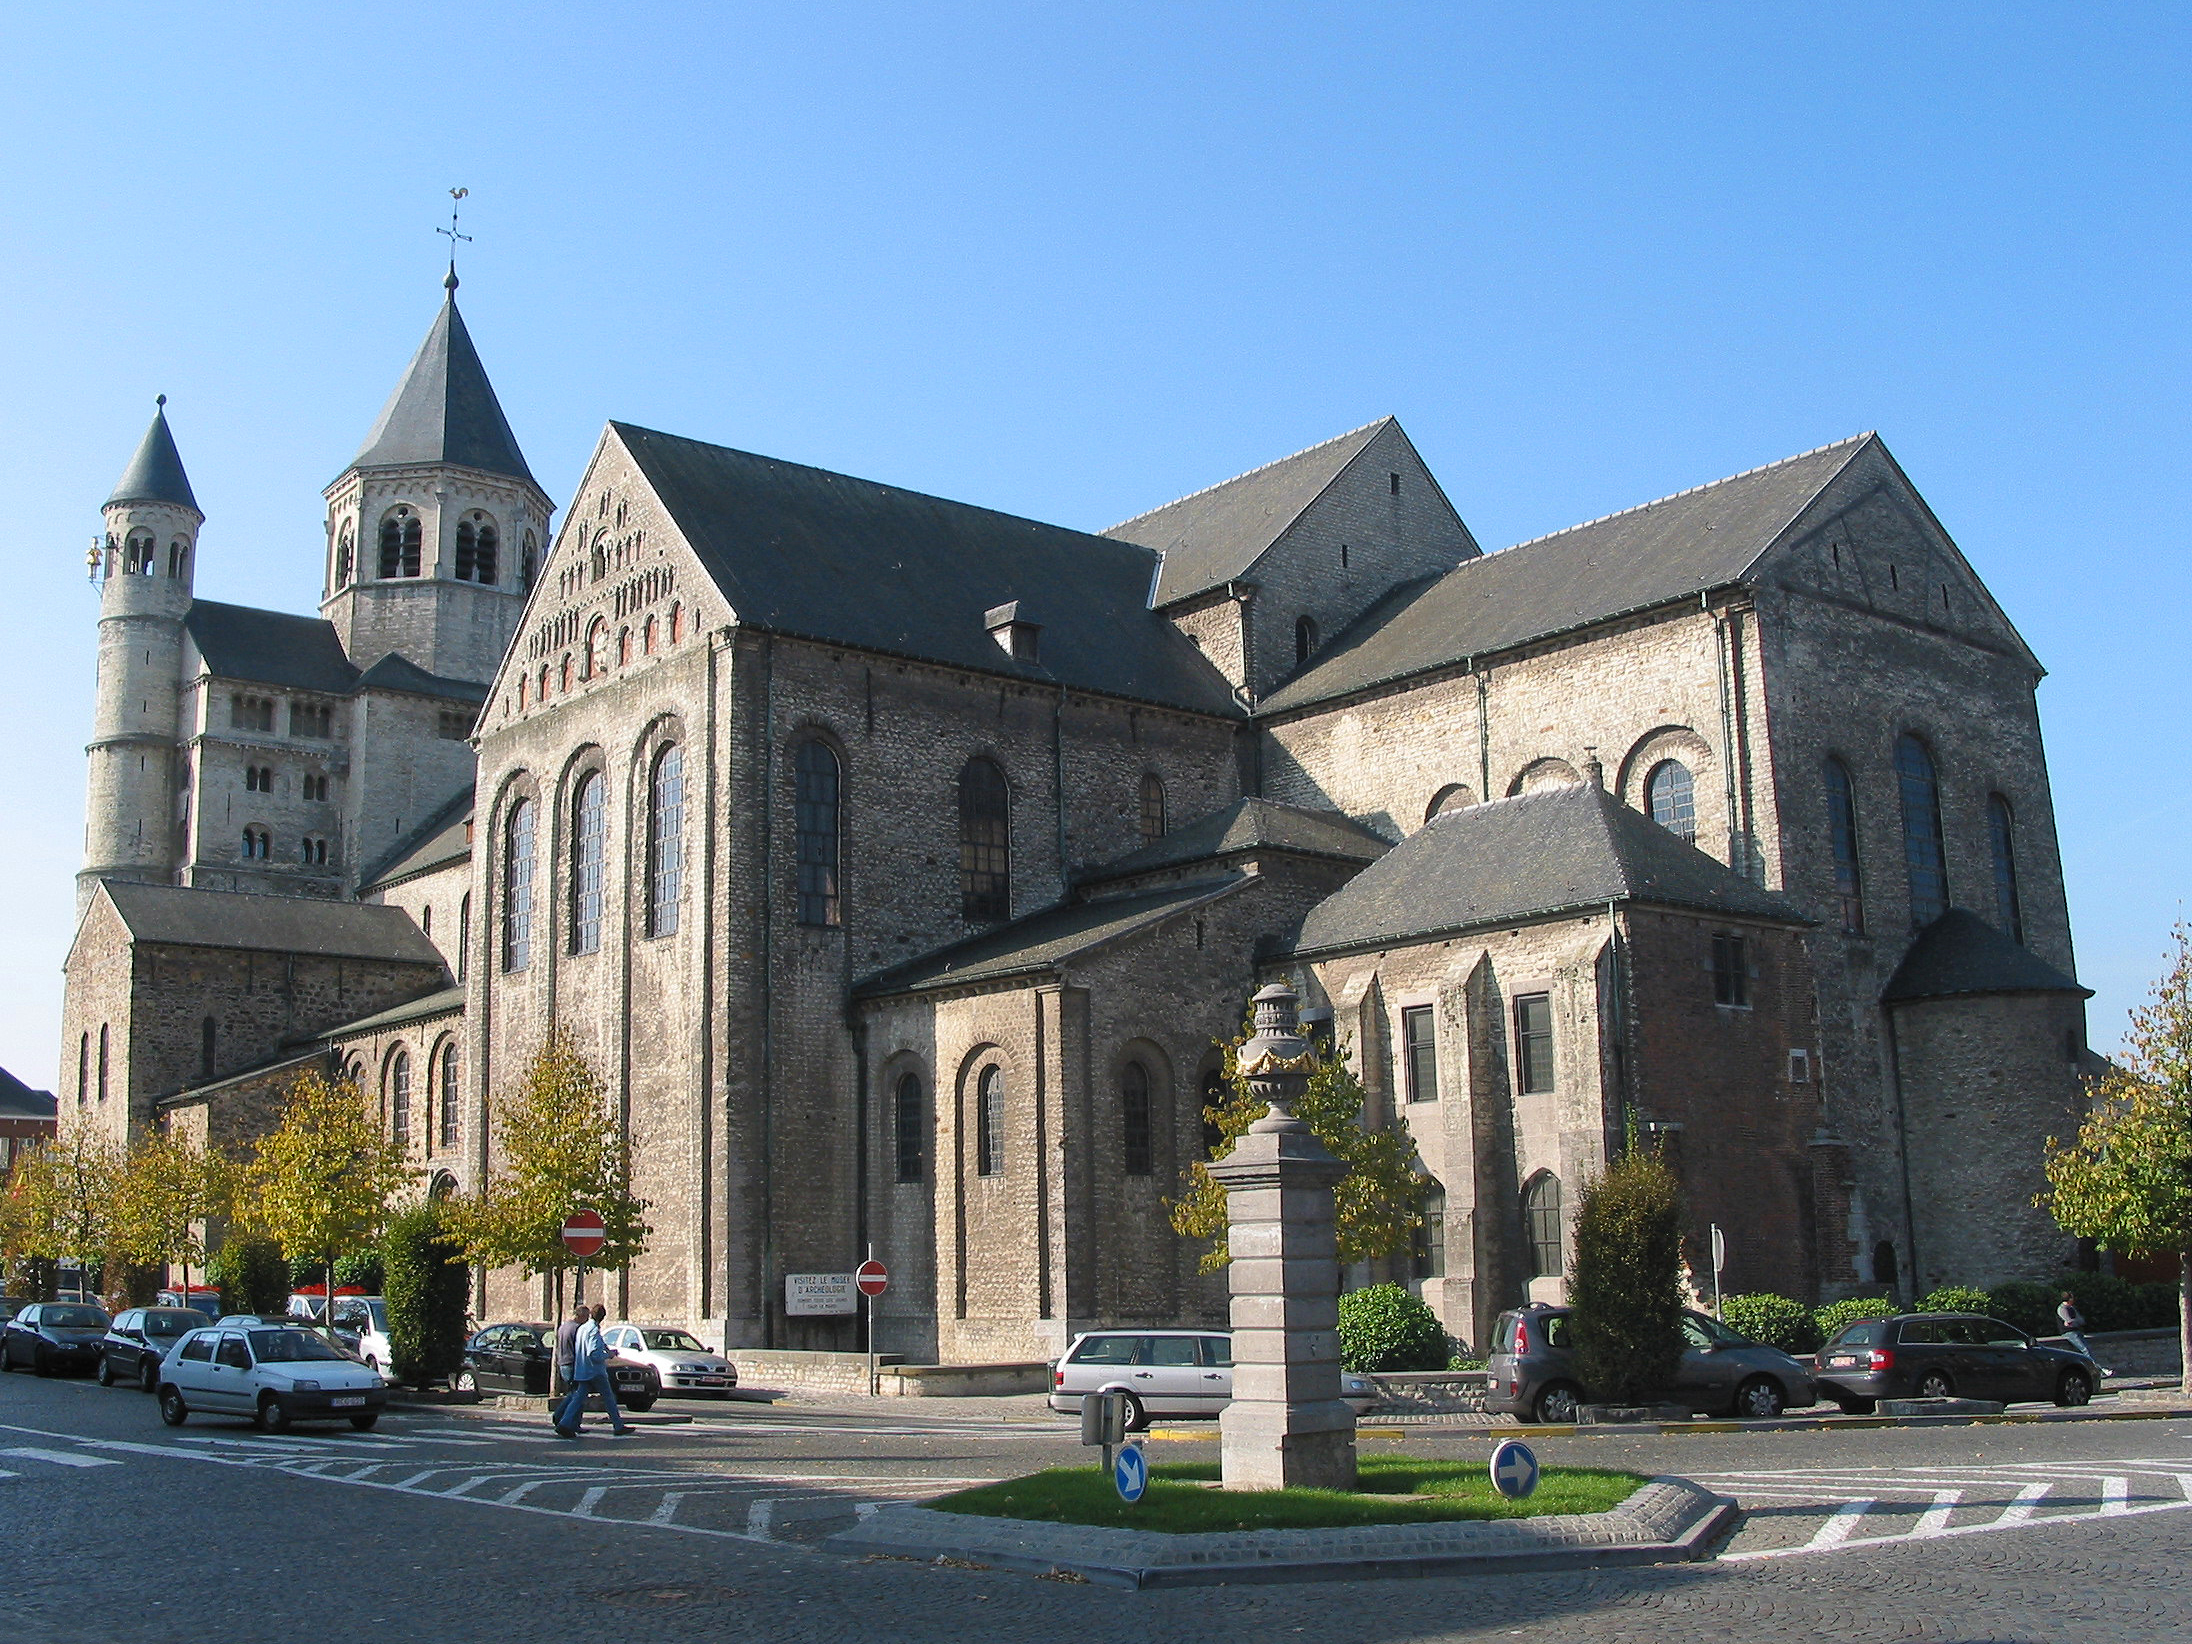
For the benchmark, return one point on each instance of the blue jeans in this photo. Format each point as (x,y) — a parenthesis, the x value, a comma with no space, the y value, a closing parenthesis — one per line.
(571,1413)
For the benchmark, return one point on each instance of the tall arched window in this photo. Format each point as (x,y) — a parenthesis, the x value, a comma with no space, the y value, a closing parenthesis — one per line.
(346,558)
(2009,910)
(647,636)
(208,1044)
(989,1123)
(666,842)
(1153,809)
(1849,886)
(467,549)
(102,1061)
(1305,638)
(1545,1226)
(529,563)
(83,1069)
(1430,1251)
(985,843)
(452,1127)
(401,539)
(1670,794)
(464,934)
(517,889)
(484,563)
(399,1099)
(912,1128)
(814,787)
(589,824)
(1134,1126)
(597,648)
(1923,856)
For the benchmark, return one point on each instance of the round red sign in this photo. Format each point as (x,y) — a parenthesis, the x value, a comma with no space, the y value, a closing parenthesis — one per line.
(872,1278)
(584,1232)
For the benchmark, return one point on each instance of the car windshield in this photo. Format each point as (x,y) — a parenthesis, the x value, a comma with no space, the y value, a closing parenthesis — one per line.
(73,1318)
(292,1347)
(1106,1350)
(1710,1332)
(175,1323)
(1864,1333)
(671,1341)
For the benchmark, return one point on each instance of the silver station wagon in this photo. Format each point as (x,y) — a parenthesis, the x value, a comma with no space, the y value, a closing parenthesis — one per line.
(1163,1373)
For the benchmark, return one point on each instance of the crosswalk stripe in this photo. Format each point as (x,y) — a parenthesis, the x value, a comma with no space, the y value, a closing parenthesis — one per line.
(60,1458)
(588,1501)
(1935,1518)
(1840,1523)
(2027,1502)
(668,1508)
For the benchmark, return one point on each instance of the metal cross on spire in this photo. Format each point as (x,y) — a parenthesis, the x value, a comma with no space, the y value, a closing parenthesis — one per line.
(455,195)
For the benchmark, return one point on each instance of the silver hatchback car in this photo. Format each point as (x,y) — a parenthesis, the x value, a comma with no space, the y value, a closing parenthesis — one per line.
(1163,1373)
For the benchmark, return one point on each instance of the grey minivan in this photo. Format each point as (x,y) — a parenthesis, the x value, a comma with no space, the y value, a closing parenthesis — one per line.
(1532,1372)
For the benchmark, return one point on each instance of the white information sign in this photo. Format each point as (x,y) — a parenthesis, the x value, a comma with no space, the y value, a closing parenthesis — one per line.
(813,1295)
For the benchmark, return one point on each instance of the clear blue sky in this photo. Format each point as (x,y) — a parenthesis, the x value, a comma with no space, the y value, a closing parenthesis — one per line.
(1072,262)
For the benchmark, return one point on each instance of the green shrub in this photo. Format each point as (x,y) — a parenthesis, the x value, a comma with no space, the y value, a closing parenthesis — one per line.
(1626,1281)
(1383,1327)
(2157,1306)
(1774,1320)
(427,1286)
(363,1268)
(1836,1317)
(2030,1307)
(249,1272)
(1957,1298)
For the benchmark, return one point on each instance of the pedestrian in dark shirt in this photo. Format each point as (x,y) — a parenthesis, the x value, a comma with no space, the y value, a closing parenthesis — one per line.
(567,1357)
(2073,1323)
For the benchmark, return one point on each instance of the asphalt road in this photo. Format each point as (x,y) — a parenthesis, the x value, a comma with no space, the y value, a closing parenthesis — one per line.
(443,1525)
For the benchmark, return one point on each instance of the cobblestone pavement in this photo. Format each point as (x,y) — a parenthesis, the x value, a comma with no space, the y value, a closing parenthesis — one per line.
(454,1527)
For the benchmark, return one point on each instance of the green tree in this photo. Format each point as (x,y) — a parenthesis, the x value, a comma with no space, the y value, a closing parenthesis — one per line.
(1383,1327)
(60,1201)
(319,1183)
(1625,1280)
(2126,1181)
(1378,1203)
(558,1148)
(250,1272)
(164,1193)
(427,1285)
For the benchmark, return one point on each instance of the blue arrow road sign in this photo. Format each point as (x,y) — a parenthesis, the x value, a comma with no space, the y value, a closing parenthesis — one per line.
(1131,1473)
(1514,1470)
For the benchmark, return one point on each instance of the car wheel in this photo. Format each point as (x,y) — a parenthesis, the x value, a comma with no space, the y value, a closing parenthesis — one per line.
(640,1402)
(363,1421)
(272,1415)
(106,1371)
(1558,1404)
(1760,1399)
(2073,1390)
(1934,1384)
(1856,1407)
(173,1410)
(464,1382)
(1137,1414)
(148,1377)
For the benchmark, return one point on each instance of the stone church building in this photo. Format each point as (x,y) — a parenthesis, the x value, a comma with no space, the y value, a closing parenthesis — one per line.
(898,861)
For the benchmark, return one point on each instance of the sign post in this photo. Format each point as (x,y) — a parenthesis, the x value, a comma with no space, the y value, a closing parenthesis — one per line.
(873,1278)
(584,1233)
(1719,1260)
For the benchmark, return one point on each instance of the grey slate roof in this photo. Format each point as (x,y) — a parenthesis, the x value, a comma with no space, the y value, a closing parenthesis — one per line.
(1960,953)
(399,673)
(442,838)
(803,551)
(269,647)
(19,1101)
(1214,536)
(439,1003)
(1249,825)
(268,924)
(155,473)
(1551,851)
(444,409)
(1632,561)
(1043,941)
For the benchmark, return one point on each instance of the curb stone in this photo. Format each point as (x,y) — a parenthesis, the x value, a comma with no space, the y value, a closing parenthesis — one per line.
(1669,1520)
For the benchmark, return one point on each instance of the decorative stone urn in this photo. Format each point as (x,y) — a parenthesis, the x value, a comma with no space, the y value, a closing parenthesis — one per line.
(1286,1425)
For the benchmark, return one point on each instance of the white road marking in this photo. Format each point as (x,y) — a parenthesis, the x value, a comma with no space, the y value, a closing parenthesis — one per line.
(60,1458)
(2027,1503)
(757,1519)
(510,1498)
(460,1488)
(2115,1496)
(1840,1523)
(668,1509)
(1935,1518)
(588,1501)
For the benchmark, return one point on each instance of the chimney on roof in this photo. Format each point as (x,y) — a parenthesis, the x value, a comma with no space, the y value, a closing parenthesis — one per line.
(1593,772)
(1017,637)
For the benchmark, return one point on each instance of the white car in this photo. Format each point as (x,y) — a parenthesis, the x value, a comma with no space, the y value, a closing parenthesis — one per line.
(275,1374)
(683,1363)
(1164,1373)
(364,1318)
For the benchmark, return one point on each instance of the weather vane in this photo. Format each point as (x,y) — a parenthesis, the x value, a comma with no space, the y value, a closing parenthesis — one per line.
(455,195)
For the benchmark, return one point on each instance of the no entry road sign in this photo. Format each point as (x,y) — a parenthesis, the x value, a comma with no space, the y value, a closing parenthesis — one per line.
(872,1277)
(584,1233)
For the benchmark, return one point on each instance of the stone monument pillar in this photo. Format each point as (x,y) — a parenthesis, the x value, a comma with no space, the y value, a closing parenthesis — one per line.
(1286,1424)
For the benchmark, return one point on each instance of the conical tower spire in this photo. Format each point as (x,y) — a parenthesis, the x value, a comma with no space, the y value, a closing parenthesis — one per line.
(155,473)
(444,410)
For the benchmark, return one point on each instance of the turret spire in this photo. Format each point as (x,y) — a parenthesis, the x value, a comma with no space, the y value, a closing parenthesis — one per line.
(155,473)
(444,410)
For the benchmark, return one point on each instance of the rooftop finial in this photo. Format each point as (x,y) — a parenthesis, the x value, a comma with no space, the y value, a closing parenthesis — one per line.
(161,402)
(449,283)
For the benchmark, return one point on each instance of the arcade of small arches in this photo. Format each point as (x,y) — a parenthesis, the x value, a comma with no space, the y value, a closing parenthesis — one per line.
(400,544)
(138,555)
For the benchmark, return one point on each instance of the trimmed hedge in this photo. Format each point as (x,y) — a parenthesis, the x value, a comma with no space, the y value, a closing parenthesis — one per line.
(1957,1298)
(249,1272)
(1383,1327)
(1773,1320)
(1625,1281)
(363,1268)
(428,1289)
(1836,1317)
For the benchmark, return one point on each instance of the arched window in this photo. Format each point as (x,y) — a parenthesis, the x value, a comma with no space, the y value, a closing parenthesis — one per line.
(1849,887)
(815,784)
(1923,856)
(912,1126)
(985,843)
(517,888)
(1305,638)
(989,1123)
(2009,910)
(1452,797)
(401,539)
(589,823)
(137,555)
(1884,1265)
(677,623)
(399,1099)
(1430,1251)
(178,554)
(1545,1226)
(1153,809)
(1671,796)
(208,1037)
(467,549)
(624,646)
(563,681)
(529,562)
(647,635)
(597,648)
(544,678)
(452,1127)
(666,842)
(102,1061)
(1215,1094)
(1134,1127)
(83,1069)
(484,560)
(464,934)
